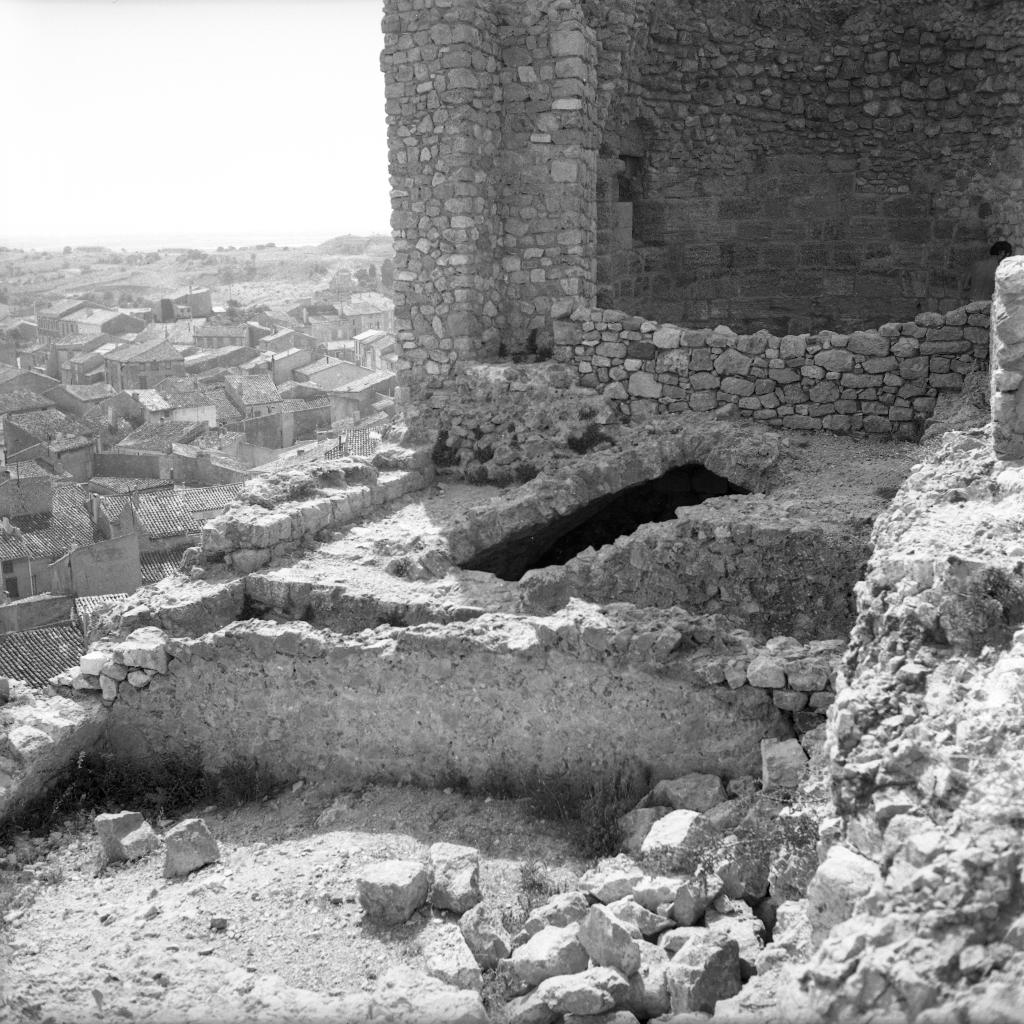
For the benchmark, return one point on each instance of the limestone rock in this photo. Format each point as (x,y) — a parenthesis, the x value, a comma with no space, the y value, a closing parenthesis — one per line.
(693,896)
(612,878)
(673,940)
(391,891)
(674,840)
(587,992)
(841,879)
(693,792)
(608,942)
(746,929)
(531,1008)
(632,914)
(635,825)
(563,909)
(653,981)
(551,951)
(612,1017)
(485,935)
(656,891)
(448,956)
(783,764)
(125,835)
(705,970)
(143,648)
(187,847)
(454,877)
(405,996)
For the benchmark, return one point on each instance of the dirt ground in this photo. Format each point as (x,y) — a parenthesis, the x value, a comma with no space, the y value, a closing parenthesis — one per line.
(85,942)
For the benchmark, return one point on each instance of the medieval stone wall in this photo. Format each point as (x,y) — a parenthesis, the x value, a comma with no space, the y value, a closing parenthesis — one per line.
(794,172)
(696,161)
(880,381)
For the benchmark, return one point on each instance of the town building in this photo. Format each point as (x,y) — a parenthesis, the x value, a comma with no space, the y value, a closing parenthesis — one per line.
(65,444)
(143,364)
(253,395)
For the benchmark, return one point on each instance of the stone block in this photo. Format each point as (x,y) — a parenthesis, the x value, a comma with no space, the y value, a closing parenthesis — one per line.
(552,951)
(448,957)
(634,827)
(842,878)
(783,763)
(391,891)
(588,992)
(564,909)
(143,648)
(608,942)
(693,792)
(673,839)
(454,877)
(704,971)
(485,935)
(611,879)
(187,847)
(125,835)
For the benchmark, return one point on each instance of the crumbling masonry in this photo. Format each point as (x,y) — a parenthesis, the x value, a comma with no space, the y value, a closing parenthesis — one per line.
(692,161)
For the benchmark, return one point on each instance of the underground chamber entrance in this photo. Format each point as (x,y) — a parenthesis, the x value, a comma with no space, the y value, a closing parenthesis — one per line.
(602,521)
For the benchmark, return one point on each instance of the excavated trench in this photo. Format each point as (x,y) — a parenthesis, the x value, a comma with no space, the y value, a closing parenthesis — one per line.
(601,522)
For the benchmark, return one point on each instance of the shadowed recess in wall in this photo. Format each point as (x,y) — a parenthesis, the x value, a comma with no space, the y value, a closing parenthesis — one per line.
(602,521)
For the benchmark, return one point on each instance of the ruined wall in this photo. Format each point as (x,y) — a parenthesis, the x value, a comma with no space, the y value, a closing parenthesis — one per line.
(879,381)
(497,698)
(793,170)
(491,125)
(771,570)
(761,165)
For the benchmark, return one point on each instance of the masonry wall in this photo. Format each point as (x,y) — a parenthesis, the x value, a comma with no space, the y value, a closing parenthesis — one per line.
(883,381)
(792,172)
(106,567)
(491,124)
(120,464)
(32,612)
(581,692)
(692,161)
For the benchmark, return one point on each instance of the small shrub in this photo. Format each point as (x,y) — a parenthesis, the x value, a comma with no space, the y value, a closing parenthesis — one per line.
(591,436)
(442,455)
(502,350)
(524,472)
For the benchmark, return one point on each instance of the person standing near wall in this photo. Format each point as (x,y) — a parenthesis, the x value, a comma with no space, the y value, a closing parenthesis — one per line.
(980,283)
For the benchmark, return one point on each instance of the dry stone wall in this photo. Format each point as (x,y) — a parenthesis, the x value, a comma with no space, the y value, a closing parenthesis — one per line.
(883,381)
(770,569)
(1008,360)
(585,690)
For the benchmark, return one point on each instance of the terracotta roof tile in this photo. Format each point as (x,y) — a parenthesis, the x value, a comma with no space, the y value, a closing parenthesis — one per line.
(36,655)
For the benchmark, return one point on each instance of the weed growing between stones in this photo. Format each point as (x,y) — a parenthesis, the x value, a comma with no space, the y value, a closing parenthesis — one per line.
(591,803)
(442,454)
(590,437)
(102,782)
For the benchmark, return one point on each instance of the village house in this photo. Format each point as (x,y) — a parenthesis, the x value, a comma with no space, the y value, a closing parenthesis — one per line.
(52,323)
(88,367)
(376,350)
(166,520)
(205,360)
(362,395)
(143,364)
(63,443)
(196,302)
(158,438)
(81,400)
(253,395)
(41,519)
(92,321)
(283,364)
(213,335)
(366,311)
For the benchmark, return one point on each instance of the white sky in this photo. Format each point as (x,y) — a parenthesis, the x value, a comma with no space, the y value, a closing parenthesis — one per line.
(255,120)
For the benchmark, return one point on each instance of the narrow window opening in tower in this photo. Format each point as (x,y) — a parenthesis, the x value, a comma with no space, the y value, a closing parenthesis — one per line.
(602,521)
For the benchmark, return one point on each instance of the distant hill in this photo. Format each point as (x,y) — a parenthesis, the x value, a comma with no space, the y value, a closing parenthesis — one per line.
(357,245)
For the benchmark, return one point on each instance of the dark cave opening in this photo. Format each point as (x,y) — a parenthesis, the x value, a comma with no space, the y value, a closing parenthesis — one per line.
(602,521)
